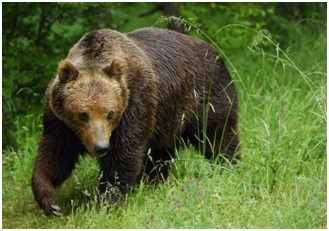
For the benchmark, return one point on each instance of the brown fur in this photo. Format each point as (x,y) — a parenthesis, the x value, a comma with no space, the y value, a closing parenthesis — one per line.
(118,96)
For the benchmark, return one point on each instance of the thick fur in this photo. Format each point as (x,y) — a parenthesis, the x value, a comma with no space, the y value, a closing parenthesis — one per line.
(162,87)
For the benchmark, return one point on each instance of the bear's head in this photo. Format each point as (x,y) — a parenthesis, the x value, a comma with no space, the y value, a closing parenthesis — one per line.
(90,101)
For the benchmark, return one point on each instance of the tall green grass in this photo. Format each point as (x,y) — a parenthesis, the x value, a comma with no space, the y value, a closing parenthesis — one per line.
(281,181)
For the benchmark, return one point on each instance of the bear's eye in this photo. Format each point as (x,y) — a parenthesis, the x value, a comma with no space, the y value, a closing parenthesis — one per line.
(110,115)
(83,116)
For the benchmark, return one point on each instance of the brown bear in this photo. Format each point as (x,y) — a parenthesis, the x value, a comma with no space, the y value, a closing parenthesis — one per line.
(121,97)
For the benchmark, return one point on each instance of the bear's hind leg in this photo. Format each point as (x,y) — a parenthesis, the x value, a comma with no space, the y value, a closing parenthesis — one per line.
(214,144)
(222,143)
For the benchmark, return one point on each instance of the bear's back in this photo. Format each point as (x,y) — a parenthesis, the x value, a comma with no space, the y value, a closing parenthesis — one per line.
(171,51)
(178,58)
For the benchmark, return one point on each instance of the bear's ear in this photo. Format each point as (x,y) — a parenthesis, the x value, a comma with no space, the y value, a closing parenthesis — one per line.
(115,69)
(67,71)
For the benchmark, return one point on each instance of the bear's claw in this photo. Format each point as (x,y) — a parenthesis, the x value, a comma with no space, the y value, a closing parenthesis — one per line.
(55,210)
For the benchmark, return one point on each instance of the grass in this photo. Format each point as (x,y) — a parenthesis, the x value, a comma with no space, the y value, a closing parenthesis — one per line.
(281,181)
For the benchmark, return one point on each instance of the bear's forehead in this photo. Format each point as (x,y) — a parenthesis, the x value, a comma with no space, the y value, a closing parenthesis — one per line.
(96,104)
(92,91)
(93,86)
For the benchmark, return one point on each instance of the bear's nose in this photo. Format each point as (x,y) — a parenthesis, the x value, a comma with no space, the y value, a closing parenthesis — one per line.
(101,149)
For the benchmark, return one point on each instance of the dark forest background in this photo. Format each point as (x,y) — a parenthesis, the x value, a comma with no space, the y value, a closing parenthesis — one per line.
(36,36)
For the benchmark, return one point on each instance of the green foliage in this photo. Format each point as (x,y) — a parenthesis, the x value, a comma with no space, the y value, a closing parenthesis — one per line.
(252,15)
